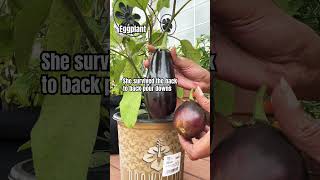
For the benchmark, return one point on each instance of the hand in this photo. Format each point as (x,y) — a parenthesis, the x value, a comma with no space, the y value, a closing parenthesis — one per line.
(189,74)
(301,129)
(257,43)
(198,147)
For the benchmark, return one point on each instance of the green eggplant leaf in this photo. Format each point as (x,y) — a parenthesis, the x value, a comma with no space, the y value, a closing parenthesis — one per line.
(189,51)
(180,92)
(115,39)
(142,4)
(25,146)
(134,46)
(117,89)
(312,108)
(155,37)
(16,5)
(63,138)
(129,108)
(6,50)
(6,29)
(162,3)
(27,25)
(23,87)
(19,92)
(291,7)
(59,150)
(94,26)
(85,6)
(6,36)
(129,71)
(118,64)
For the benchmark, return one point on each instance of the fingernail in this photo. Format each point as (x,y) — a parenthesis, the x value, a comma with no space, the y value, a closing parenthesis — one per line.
(174,49)
(288,94)
(198,89)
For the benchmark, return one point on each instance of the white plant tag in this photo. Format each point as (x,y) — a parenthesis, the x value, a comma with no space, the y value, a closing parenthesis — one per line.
(171,164)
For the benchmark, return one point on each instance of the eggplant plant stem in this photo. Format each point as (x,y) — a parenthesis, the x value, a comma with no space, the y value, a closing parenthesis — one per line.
(72,6)
(150,27)
(134,67)
(155,15)
(174,7)
(164,41)
(117,52)
(174,37)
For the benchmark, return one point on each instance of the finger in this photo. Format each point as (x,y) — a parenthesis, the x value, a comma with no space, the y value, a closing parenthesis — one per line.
(199,150)
(230,10)
(185,144)
(300,128)
(203,101)
(238,67)
(146,63)
(177,61)
(207,128)
(185,82)
(203,133)
(182,62)
(195,140)
(245,22)
(151,48)
(174,53)
(190,156)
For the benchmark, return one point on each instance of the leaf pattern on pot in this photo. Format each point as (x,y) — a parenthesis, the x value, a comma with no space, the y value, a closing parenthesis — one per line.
(153,150)
(148,158)
(155,155)
(156,165)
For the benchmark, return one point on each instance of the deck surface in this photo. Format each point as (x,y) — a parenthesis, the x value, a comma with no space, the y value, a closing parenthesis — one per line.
(193,170)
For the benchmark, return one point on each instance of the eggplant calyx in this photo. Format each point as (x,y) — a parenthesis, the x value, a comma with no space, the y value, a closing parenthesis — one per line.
(163,45)
(259,114)
(191,95)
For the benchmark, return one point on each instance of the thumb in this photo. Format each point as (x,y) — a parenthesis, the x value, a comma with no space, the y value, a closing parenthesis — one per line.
(203,101)
(175,59)
(300,128)
(181,62)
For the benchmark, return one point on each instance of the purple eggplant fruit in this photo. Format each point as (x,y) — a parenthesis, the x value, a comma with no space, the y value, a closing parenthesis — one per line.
(189,119)
(161,104)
